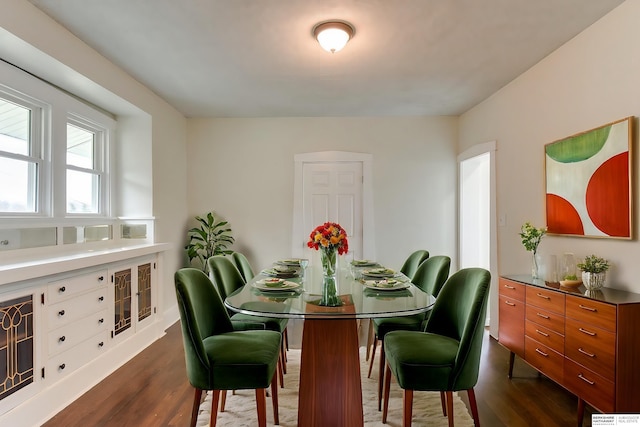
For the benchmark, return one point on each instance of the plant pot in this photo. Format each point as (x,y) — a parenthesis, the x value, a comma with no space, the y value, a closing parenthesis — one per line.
(593,281)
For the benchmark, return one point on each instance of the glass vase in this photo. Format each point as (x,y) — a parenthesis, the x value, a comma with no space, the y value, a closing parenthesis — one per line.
(329,260)
(535,266)
(330,297)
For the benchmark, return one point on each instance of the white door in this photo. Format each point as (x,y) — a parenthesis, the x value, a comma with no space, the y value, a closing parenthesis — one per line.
(332,191)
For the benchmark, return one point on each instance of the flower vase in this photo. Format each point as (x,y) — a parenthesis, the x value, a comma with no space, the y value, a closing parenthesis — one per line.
(593,281)
(535,266)
(330,297)
(329,260)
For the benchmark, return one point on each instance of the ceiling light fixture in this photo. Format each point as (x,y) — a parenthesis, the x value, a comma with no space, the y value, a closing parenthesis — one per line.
(333,35)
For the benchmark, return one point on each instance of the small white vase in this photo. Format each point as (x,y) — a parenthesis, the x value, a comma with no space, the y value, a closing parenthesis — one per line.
(593,281)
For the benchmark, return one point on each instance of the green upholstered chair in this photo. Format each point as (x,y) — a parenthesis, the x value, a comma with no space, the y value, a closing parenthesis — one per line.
(242,264)
(227,279)
(446,356)
(218,357)
(430,276)
(409,268)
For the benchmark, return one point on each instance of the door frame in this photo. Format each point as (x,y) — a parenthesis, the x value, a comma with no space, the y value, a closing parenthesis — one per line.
(368,236)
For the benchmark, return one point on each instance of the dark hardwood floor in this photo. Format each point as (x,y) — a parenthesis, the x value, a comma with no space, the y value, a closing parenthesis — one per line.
(152,390)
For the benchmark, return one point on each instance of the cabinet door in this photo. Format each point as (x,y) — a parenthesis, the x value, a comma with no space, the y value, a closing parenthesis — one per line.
(145,296)
(511,324)
(122,281)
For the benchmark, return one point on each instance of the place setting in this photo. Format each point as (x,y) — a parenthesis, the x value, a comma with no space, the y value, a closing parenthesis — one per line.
(283,271)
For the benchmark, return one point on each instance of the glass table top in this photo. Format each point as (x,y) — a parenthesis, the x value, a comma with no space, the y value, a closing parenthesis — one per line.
(299,297)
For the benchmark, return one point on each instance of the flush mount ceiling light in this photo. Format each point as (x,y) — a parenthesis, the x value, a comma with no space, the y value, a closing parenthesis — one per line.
(333,35)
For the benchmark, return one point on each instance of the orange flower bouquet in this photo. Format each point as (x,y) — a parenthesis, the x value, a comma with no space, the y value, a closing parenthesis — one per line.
(329,237)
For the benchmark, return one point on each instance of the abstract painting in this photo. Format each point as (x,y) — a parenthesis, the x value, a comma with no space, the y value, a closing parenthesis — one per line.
(588,183)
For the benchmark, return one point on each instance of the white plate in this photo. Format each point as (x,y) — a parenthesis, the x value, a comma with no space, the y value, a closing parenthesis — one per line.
(284,286)
(379,272)
(270,281)
(376,285)
(363,263)
(289,262)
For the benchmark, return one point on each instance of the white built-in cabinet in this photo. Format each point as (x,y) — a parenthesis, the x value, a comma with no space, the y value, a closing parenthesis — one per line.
(62,333)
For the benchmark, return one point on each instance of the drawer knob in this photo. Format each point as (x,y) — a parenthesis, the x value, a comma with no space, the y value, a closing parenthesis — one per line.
(509,303)
(62,338)
(101,343)
(61,313)
(100,279)
(61,367)
(542,296)
(586,380)
(541,352)
(584,331)
(584,307)
(586,353)
(100,320)
(62,289)
(101,299)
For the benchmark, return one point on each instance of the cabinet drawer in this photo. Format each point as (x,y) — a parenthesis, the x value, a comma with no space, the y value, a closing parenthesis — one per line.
(592,312)
(72,286)
(591,347)
(65,312)
(545,336)
(589,386)
(511,324)
(548,319)
(72,359)
(511,289)
(543,298)
(544,359)
(64,338)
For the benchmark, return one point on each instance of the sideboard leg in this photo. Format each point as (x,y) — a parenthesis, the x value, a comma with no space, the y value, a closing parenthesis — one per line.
(512,357)
(580,411)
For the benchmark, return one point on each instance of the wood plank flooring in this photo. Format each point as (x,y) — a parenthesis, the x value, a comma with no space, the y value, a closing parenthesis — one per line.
(152,390)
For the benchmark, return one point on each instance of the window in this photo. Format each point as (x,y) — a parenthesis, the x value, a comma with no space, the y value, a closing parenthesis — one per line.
(20,155)
(54,153)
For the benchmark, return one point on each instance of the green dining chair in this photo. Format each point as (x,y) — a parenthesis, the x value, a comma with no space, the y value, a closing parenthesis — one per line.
(430,277)
(446,356)
(218,357)
(227,279)
(409,268)
(242,264)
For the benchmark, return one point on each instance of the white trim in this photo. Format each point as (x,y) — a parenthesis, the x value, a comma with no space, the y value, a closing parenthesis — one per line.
(368,237)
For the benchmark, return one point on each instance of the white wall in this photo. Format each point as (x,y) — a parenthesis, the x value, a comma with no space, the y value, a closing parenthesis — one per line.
(157,167)
(590,81)
(244,170)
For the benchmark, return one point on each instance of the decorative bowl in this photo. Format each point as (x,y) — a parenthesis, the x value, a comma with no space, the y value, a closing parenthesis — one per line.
(570,283)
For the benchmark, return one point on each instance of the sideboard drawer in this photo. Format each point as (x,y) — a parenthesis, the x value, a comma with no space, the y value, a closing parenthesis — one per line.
(72,286)
(74,333)
(591,347)
(66,312)
(511,289)
(595,313)
(545,336)
(70,360)
(544,359)
(548,319)
(546,299)
(596,390)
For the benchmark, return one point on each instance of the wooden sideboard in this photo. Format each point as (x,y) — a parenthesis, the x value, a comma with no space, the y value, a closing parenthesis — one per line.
(585,341)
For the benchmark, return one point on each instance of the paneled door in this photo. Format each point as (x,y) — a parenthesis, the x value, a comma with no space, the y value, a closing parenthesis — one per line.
(332,191)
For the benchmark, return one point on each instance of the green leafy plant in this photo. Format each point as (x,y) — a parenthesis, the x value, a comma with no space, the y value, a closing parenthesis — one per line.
(213,237)
(531,236)
(594,264)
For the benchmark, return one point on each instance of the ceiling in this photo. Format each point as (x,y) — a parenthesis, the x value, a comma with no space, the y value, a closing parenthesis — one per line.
(257,58)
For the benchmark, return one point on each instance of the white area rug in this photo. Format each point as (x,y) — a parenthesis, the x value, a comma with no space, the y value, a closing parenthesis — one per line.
(240,408)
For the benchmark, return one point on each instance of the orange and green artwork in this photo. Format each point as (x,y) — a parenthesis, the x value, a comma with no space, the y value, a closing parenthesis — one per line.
(588,184)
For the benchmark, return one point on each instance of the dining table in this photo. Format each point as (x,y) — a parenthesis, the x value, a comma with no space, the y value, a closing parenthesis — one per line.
(330,390)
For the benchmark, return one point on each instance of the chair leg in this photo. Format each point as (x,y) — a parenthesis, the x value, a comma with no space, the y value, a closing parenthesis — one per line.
(286,338)
(474,406)
(197,398)
(407,407)
(450,407)
(370,336)
(280,369)
(261,404)
(380,376)
(283,353)
(274,399)
(373,355)
(215,400)
(444,404)
(387,386)
(223,400)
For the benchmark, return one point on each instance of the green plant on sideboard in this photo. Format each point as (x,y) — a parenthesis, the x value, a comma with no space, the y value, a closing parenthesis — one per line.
(213,237)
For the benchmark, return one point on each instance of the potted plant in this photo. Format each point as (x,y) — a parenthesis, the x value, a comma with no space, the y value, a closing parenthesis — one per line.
(594,271)
(531,237)
(213,237)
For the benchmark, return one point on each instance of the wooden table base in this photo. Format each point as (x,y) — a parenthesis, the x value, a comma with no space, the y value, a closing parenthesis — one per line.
(330,389)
